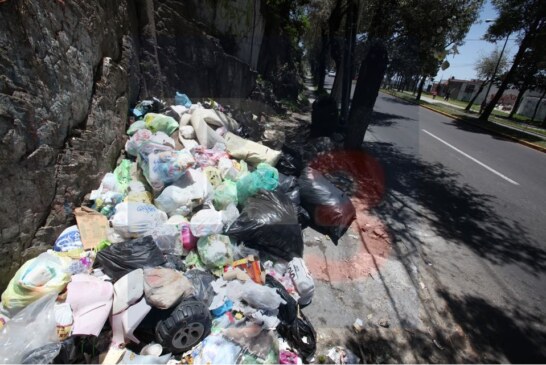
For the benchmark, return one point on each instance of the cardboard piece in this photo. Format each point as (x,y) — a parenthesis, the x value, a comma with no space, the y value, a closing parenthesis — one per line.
(93,227)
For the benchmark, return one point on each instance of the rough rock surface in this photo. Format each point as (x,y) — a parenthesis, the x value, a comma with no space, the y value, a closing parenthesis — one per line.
(69,70)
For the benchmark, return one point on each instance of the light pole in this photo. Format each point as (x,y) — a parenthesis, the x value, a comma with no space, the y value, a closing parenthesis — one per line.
(496,66)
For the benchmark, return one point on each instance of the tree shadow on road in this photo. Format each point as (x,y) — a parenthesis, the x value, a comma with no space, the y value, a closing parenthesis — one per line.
(455,211)
(386,119)
(495,332)
(397,100)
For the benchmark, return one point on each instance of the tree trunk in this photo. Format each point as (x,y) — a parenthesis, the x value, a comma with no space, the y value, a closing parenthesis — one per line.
(518,101)
(420,89)
(322,61)
(337,85)
(370,76)
(350,34)
(538,105)
(471,102)
(517,60)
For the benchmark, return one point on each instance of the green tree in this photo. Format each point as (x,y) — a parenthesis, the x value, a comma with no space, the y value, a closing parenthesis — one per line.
(526,19)
(485,68)
(435,27)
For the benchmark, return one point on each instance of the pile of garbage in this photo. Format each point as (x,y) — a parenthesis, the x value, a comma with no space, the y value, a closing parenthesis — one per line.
(190,251)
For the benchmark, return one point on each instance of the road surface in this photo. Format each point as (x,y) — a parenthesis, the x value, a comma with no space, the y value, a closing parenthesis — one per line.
(473,207)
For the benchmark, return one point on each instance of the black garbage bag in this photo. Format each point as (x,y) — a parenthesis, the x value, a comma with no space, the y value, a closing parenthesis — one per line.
(290,162)
(269,223)
(201,283)
(121,258)
(324,117)
(331,210)
(295,332)
(289,311)
(288,185)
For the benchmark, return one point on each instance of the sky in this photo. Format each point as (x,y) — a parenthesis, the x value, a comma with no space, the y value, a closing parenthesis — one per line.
(462,64)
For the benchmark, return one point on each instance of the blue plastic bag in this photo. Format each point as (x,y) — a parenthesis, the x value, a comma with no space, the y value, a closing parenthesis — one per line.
(182,99)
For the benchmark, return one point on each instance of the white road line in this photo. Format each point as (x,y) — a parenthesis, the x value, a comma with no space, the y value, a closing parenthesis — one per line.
(472,158)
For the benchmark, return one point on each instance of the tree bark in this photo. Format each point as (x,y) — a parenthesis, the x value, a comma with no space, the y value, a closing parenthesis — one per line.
(350,35)
(538,105)
(518,101)
(370,76)
(471,102)
(337,85)
(421,86)
(517,60)
(322,61)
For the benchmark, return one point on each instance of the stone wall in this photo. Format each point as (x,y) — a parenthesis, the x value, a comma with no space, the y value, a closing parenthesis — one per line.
(69,70)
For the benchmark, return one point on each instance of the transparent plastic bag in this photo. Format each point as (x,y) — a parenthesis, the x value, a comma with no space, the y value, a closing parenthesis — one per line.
(31,329)
(135,219)
(215,250)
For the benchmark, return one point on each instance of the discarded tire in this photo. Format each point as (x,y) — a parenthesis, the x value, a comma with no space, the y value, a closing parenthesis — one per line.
(187,325)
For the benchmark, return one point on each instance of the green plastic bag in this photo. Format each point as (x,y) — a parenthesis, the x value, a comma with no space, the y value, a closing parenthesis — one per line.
(123,176)
(139,124)
(225,194)
(264,177)
(160,123)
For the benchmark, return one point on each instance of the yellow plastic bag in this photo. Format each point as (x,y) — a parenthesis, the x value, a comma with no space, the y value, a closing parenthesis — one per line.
(42,275)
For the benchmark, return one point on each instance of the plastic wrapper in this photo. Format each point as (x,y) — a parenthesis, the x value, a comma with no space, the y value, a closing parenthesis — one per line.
(265,177)
(206,222)
(331,211)
(300,335)
(225,194)
(164,288)
(135,219)
(160,123)
(34,329)
(302,279)
(123,176)
(215,250)
(122,258)
(269,224)
(201,280)
(38,277)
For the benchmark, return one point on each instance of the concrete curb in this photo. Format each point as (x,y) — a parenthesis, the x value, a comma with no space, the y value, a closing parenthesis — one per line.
(484,127)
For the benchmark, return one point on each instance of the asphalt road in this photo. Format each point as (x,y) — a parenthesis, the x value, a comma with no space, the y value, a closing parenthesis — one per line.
(472,206)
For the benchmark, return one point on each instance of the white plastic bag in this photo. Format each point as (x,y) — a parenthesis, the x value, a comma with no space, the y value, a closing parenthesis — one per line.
(206,222)
(257,296)
(31,329)
(187,193)
(133,220)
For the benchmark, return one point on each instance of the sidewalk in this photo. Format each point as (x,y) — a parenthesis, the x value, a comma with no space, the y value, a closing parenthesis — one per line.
(526,130)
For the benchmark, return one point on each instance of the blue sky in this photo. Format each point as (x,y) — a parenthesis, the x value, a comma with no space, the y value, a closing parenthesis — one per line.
(462,64)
